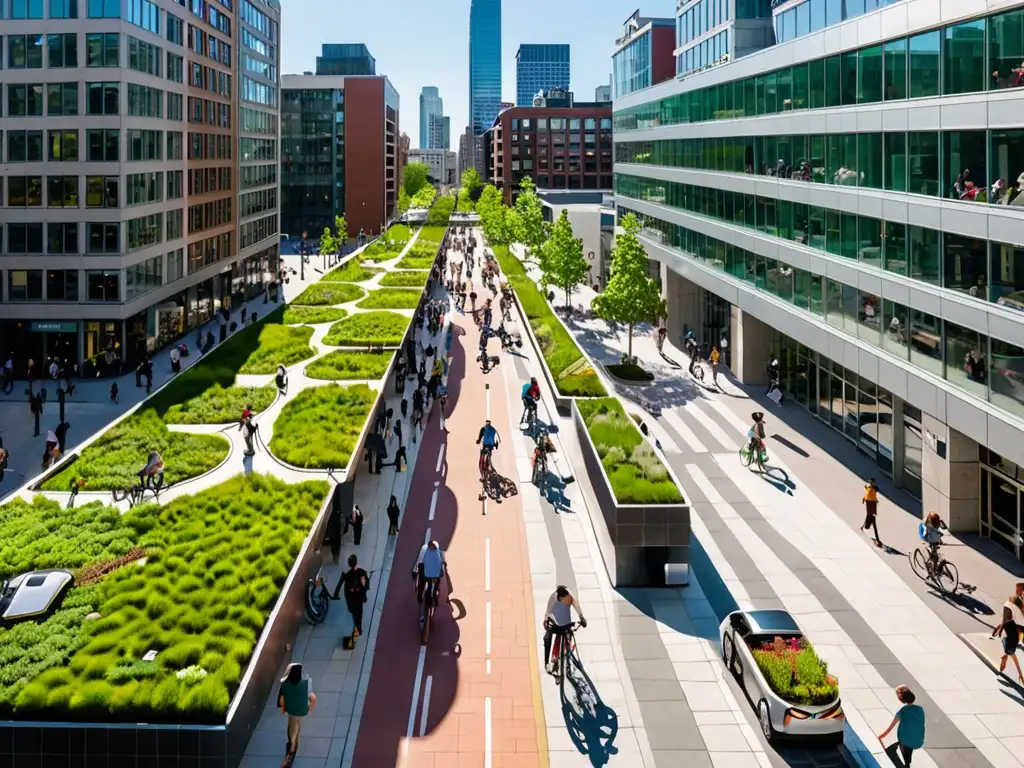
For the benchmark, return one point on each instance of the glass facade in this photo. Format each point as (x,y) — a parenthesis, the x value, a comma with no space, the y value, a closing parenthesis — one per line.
(540,67)
(345,59)
(312,160)
(631,67)
(814,15)
(484,63)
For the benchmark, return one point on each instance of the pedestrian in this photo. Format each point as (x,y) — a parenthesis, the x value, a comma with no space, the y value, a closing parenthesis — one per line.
(62,433)
(393,513)
(9,374)
(356,521)
(281,379)
(398,431)
(388,416)
(442,399)
(334,534)
(356,583)
(115,397)
(1010,630)
(140,369)
(296,699)
(910,717)
(175,356)
(870,502)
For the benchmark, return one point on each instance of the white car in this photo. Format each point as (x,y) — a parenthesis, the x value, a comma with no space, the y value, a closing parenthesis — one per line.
(743,630)
(33,595)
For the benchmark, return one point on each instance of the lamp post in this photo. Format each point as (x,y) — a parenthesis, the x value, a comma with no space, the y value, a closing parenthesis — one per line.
(303,250)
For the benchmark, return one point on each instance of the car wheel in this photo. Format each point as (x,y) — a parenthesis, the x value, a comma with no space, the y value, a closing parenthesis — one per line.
(726,648)
(764,719)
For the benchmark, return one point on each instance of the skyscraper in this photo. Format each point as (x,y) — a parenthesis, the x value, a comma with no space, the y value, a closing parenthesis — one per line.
(538,68)
(484,63)
(345,59)
(431,108)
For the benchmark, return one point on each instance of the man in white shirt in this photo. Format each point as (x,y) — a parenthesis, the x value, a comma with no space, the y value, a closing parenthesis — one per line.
(558,618)
(430,565)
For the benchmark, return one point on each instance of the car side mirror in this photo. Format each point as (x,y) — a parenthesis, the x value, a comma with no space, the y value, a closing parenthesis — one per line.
(736,621)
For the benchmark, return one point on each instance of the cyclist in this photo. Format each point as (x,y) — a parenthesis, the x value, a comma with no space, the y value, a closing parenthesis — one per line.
(490,439)
(692,349)
(659,340)
(531,394)
(558,619)
(430,565)
(756,433)
(154,469)
(931,534)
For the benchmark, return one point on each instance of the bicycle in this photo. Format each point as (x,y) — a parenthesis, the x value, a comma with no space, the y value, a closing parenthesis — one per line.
(748,457)
(136,493)
(540,469)
(566,658)
(530,417)
(430,591)
(485,465)
(935,568)
(318,599)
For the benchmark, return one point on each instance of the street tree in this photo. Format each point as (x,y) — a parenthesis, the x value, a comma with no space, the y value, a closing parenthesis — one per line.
(341,230)
(328,242)
(494,216)
(471,180)
(564,265)
(530,229)
(414,178)
(403,200)
(632,296)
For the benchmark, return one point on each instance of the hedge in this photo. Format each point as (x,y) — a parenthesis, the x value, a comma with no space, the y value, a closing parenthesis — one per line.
(328,294)
(368,328)
(319,427)
(313,315)
(351,272)
(342,364)
(391,298)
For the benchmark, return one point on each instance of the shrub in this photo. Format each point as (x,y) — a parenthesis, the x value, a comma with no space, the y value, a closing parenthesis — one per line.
(795,672)
(414,261)
(407,278)
(319,427)
(115,458)
(312,315)
(221,405)
(368,328)
(634,470)
(280,345)
(351,272)
(391,298)
(328,294)
(431,234)
(341,364)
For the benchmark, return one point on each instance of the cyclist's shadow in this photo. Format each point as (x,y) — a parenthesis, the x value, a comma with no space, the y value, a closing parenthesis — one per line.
(499,487)
(592,734)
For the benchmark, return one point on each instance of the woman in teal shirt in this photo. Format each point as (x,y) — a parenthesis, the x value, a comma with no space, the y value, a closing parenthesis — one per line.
(910,717)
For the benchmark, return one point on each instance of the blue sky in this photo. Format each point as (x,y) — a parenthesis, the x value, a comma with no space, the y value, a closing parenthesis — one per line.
(425,42)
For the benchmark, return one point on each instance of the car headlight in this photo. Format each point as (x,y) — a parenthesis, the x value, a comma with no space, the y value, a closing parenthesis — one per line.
(834,713)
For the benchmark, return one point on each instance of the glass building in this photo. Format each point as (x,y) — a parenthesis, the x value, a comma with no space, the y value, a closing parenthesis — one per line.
(538,68)
(643,55)
(858,212)
(313,159)
(484,63)
(345,59)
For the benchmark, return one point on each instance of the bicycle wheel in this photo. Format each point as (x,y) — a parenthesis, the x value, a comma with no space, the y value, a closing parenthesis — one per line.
(746,457)
(947,577)
(919,562)
(698,372)
(585,698)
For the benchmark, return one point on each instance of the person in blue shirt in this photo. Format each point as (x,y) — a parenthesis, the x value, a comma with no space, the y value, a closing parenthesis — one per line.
(910,717)
(530,395)
(488,436)
(430,565)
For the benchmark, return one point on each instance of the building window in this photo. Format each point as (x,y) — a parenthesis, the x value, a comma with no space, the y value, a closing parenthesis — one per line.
(63,146)
(175,29)
(144,145)
(144,188)
(144,101)
(103,237)
(103,98)
(143,13)
(24,191)
(24,51)
(62,51)
(102,49)
(26,238)
(963,58)
(62,191)
(104,9)
(102,191)
(25,100)
(61,99)
(26,9)
(924,64)
(145,231)
(175,68)
(103,145)
(144,57)
(144,277)
(24,146)
(62,238)
(62,285)
(63,9)
(103,285)
(24,284)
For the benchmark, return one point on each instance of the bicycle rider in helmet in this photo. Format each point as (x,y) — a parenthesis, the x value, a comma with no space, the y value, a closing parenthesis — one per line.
(531,394)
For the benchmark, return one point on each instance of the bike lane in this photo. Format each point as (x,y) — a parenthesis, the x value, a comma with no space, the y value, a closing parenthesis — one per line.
(471,697)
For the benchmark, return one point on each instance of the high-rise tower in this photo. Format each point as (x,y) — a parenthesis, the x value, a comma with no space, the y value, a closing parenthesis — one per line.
(484,63)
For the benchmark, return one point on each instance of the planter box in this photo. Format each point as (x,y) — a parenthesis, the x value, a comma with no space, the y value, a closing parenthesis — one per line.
(562,402)
(637,541)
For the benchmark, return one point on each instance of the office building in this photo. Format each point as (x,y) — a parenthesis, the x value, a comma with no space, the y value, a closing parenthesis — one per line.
(563,146)
(439,132)
(340,152)
(538,68)
(431,113)
(345,59)
(710,32)
(603,92)
(643,54)
(592,217)
(121,226)
(850,200)
(484,63)
(471,153)
(443,164)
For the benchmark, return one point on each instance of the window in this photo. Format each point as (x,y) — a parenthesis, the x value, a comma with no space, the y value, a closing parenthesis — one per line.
(895,70)
(175,29)
(63,146)
(143,188)
(104,9)
(896,161)
(965,359)
(175,68)
(24,146)
(62,238)
(925,258)
(924,64)
(870,75)
(964,264)
(175,185)
(103,237)
(62,191)
(24,191)
(926,341)
(61,99)
(816,79)
(895,248)
(144,101)
(63,9)
(144,57)
(923,162)
(62,285)
(964,165)
(103,285)
(102,98)
(1007,276)
(174,102)
(175,224)
(143,13)
(870,159)
(24,51)
(833,12)
(1005,50)
(62,51)
(103,145)
(25,100)
(175,265)
(145,231)
(143,277)
(963,58)
(144,145)
(26,238)
(103,49)
(102,191)
(1004,371)
(24,284)
(848,74)
(26,9)
(175,145)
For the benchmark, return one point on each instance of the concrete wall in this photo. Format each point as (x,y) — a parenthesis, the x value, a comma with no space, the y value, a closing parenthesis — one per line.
(751,347)
(683,301)
(949,475)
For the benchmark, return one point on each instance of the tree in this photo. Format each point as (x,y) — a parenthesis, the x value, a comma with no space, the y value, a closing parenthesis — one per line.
(632,296)
(341,230)
(465,202)
(328,242)
(530,229)
(493,216)
(424,197)
(403,200)
(414,178)
(471,180)
(564,265)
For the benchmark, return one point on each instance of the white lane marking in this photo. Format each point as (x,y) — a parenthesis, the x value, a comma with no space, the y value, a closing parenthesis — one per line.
(487,628)
(683,431)
(487,732)
(433,504)
(488,665)
(426,704)
(416,692)
(426,539)
(440,458)
(487,565)
(487,400)
(728,443)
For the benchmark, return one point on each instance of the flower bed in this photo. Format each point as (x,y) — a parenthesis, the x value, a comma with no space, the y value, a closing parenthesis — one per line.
(221,405)
(328,294)
(634,470)
(416,261)
(795,672)
(571,370)
(342,364)
(368,328)
(279,345)
(351,272)
(320,426)
(405,278)
(312,315)
(391,298)
(215,564)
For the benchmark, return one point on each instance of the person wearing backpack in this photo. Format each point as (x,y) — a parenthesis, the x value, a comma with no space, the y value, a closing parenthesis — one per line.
(296,699)
(356,583)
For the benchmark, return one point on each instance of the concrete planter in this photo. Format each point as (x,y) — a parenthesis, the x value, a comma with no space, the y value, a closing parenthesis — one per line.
(637,541)
(562,402)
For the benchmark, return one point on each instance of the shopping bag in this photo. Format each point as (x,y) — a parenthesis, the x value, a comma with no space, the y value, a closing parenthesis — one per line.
(775,396)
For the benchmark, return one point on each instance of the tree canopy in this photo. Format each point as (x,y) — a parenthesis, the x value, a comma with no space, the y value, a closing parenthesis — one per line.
(494,216)
(334,242)
(471,180)
(563,264)
(424,197)
(530,227)
(414,178)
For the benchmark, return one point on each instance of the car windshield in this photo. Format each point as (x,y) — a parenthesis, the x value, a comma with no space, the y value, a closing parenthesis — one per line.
(772,622)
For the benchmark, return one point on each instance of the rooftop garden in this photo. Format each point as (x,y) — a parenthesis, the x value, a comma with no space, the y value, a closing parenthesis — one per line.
(795,672)
(391,298)
(328,294)
(634,470)
(342,364)
(418,259)
(194,580)
(312,315)
(319,427)
(365,328)
(351,272)
(405,278)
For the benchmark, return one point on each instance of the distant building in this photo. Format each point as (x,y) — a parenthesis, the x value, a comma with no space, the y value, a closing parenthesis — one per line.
(439,132)
(443,164)
(340,152)
(603,93)
(431,114)
(345,59)
(484,63)
(540,67)
(471,153)
(643,56)
(404,143)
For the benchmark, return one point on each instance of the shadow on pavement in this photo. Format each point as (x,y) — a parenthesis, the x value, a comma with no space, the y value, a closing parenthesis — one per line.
(792,446)
(966,603)
(498,488)
(592,731)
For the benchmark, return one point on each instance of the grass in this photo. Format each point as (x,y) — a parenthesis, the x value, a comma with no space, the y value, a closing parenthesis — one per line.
(319,427)
(112,461)
(220,405)
(795,672)
(351,272)
(629,372)
(279,345)
(407,278)
(431,234)
(391,298)
(415,261)
(312,315)
(634,470)
(328,294)
(400,233)
(342,364)
(215,566)
(368,328)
